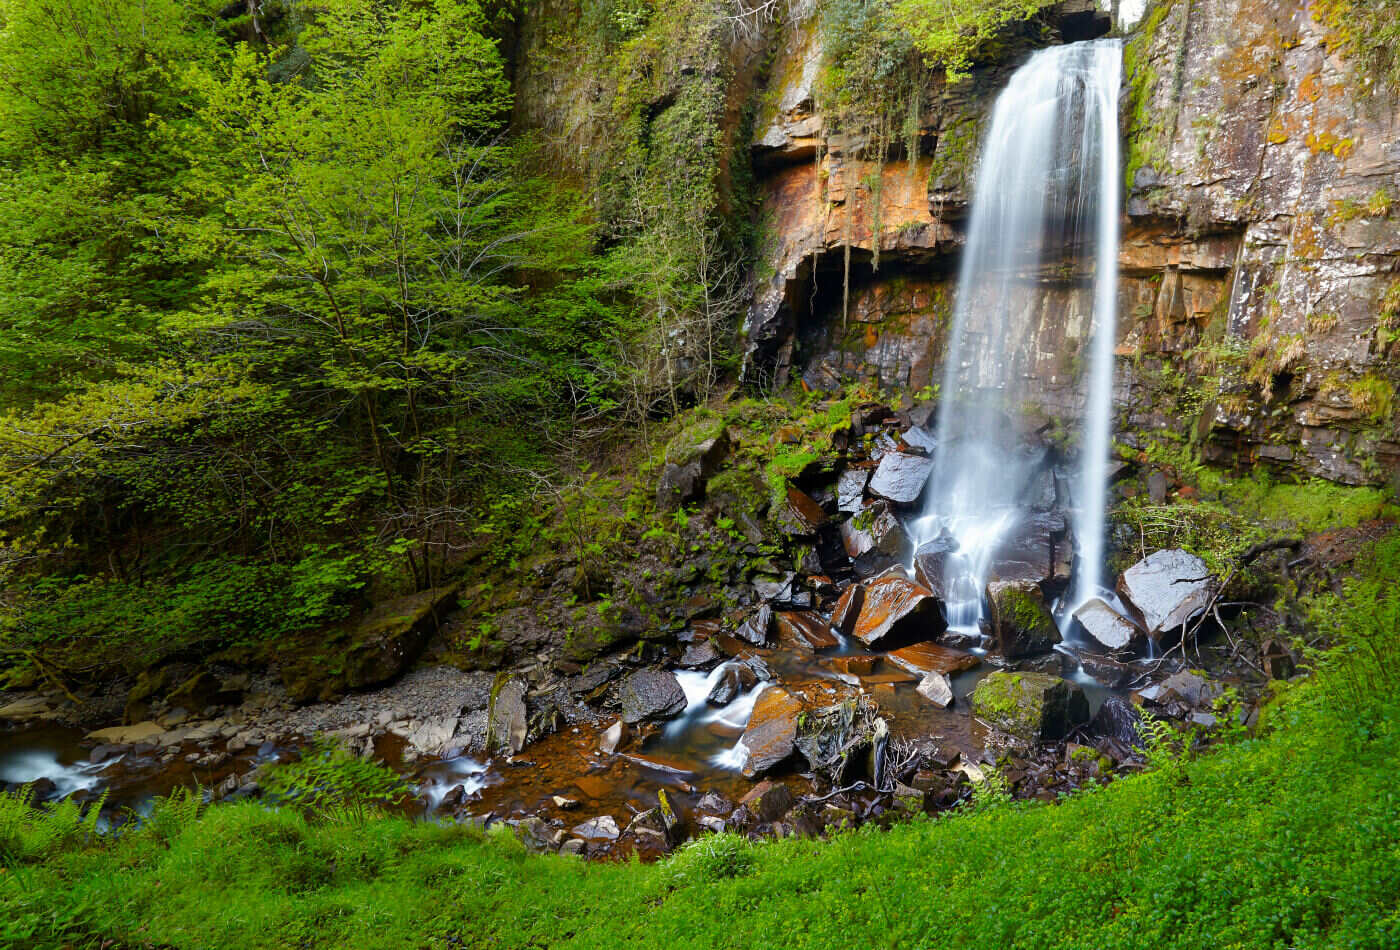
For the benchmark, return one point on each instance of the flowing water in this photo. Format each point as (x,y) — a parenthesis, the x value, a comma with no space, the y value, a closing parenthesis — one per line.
(1047,195)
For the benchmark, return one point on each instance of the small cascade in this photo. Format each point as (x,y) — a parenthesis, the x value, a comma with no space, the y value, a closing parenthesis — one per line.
(1047,194)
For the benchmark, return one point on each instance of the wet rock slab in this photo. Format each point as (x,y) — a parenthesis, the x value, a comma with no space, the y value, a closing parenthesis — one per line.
(806,629)
(1018,620)
(901,477)
(924,658)
(899,609)
(771,731)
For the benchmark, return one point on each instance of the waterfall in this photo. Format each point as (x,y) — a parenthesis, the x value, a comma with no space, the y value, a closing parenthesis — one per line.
(1047,192)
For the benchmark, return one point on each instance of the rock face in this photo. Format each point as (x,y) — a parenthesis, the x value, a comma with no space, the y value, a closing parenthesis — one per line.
(650,694)
(1018,621)
(899,609)
(1033,707)
(1168,588)
(1254,153)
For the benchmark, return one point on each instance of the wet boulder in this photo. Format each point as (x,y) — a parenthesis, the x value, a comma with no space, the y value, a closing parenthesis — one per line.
(1119,720)
(827,737)
(507,720)
(847,609)
(650,695)
(755,629)
(1106,626)
(850,489)
(800,514)
(1018,622)
(1038,549)
(898,609)
(771,732)
(1168,588)
(768,801)
(937,689)
(901,477)
(701,656)
(1032,707)
(732,680)
(806,629)
(877,531)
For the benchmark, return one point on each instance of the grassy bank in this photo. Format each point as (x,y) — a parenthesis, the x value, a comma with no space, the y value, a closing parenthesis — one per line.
(1290,838)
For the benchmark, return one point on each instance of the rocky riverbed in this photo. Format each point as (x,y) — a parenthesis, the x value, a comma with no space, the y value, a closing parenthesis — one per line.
(833,693)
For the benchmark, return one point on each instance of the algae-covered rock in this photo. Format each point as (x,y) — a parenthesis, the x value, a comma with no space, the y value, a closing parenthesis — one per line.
(372,650)
(1032,707)
(1018,621)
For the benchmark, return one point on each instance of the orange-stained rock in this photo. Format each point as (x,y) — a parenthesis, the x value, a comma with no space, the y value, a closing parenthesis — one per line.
(924,658)
(771,730)
(805,628)
(847,609)
(855,665)
(894,605)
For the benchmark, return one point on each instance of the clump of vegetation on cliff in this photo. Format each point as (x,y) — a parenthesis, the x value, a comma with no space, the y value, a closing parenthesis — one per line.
(1289,837)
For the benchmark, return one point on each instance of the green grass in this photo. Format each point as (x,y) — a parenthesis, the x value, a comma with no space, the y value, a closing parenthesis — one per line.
(1288,839)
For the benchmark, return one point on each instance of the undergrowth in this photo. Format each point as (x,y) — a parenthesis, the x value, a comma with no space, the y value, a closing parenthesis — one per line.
(1286,838)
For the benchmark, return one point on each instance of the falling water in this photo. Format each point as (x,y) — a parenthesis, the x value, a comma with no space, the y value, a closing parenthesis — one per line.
(1047,191)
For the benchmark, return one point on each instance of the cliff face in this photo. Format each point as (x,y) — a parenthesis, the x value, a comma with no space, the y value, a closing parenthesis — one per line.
(1258,248)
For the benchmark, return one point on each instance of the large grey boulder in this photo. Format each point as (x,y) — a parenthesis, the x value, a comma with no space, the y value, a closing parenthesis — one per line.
(650,694)
(1168,588)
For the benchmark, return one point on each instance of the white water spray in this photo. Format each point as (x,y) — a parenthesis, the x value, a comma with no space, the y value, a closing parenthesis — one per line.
(1047,190)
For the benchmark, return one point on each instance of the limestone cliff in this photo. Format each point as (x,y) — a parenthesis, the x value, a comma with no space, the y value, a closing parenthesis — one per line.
(1258,250)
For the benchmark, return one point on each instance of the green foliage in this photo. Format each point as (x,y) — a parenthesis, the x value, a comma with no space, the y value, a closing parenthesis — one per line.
(951,35)
(1367,31)
(329,781)
(1291,838)
(31,832)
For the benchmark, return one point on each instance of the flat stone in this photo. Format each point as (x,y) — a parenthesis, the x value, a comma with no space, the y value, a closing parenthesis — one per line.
(896,606)
(901,477)
(855,665)
(29,707)
(924,658)
(147,731)
(771,731)
(1168,588)
(701,655)
(651,694)
(806,628)
(1108,628)
(602,828)
(937,689)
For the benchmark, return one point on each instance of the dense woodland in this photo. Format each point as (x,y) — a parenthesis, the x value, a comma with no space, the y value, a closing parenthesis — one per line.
(297,316)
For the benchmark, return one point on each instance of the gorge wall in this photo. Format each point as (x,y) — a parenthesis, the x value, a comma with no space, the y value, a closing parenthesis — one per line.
(1260,261)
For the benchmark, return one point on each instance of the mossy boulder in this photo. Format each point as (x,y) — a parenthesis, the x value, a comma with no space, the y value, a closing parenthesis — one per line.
(1018,621)
(379,646)
(1032,707)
